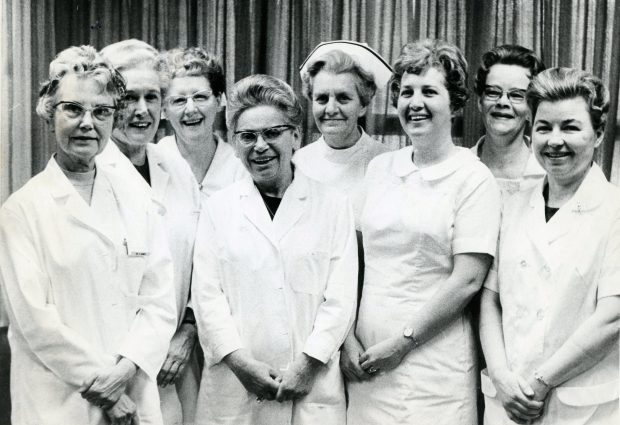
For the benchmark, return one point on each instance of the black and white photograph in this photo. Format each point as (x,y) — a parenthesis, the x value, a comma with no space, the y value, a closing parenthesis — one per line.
(309,212)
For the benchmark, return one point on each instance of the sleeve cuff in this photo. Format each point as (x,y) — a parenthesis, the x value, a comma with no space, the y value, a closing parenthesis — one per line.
(224,349)
(149,368)
(474,245)
(319,350)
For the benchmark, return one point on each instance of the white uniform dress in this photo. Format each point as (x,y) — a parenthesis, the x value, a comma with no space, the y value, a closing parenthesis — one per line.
(84,284)
(342,169)
(532,174)
(224,170)
(414,222)
(172,186)
(277,288)
(550,277)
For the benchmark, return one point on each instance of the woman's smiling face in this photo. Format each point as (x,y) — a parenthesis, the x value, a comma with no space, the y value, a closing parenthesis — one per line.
(502,116)
(336,106)
(191,121)
(268,161)
(142,107)
(564,140)
(424,104)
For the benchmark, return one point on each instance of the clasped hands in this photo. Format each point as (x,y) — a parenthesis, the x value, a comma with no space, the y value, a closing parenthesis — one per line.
(523,400)
(269,384)
(358,364)
(106,389)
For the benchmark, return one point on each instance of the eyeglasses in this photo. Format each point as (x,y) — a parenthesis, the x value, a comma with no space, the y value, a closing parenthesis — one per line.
(200,98)
(250,137)
(495,93)
(77,110)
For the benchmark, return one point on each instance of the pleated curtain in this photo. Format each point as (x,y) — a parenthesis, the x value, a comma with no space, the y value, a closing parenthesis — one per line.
(274,36)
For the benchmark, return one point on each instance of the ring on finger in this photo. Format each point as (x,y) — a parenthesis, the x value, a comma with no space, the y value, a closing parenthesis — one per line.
(372,369)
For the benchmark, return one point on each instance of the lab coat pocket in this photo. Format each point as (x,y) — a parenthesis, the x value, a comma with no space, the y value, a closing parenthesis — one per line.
(131,269)
(308,273)
(590,395)
(493,410)
(594,404)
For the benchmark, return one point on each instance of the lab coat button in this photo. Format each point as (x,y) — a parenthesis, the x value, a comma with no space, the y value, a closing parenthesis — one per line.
(523,263)
(540,314)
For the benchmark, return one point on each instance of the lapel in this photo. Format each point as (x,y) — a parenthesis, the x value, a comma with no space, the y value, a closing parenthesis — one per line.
(568,220)
(105,206)
(69,200)
(588,197)
(220,165)
(290,211)
(292,206)
(129,197)
(159,174)
(535,225)
(254,209)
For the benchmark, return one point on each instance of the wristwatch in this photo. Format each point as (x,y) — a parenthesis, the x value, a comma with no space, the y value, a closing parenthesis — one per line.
(409,334)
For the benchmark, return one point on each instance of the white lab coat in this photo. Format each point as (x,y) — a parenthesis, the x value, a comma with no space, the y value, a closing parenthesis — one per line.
(172,186)
(84,284)
(278,289)
(225,168)
(343,169)
(414,221)
(549,278)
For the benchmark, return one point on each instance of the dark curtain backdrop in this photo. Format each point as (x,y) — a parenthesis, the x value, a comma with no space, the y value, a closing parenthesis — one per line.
(274,36)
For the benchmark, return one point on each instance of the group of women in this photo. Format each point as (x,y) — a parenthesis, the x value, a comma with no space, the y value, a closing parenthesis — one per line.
(199,281)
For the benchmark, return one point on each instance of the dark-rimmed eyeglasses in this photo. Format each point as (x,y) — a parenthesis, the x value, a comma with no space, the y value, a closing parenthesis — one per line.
(77,110)
(250,137)
(200,98)
(495,93)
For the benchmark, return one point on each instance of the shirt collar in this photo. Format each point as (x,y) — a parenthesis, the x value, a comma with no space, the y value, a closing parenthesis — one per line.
(298,187)
(590,194)
(404,165)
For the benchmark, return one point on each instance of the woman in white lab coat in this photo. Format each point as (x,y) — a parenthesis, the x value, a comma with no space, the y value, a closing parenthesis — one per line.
(551,307)
(430,225)
(86,268)
(169,180)
(194,97)
(274,283)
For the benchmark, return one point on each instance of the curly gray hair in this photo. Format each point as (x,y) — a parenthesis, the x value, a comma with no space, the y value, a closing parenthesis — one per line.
(85,62)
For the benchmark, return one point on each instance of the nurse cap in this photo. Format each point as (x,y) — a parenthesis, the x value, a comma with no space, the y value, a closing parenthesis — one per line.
(366,57)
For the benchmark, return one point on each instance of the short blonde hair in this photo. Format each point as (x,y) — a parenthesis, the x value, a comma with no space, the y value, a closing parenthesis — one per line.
(85,62)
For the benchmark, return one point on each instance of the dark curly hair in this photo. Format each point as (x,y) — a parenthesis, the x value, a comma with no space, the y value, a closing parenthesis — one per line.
(418,57)
(508,54)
